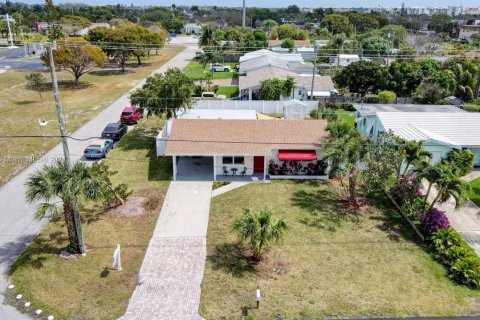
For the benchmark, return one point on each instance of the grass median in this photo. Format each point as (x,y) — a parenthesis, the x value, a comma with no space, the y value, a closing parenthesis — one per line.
(87,288)
(21,107)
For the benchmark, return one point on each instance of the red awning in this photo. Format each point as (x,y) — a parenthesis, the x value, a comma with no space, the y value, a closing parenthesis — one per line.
(297,155)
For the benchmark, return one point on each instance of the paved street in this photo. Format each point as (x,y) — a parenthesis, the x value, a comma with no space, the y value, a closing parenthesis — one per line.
(18,226)
(172,271)
(15,58)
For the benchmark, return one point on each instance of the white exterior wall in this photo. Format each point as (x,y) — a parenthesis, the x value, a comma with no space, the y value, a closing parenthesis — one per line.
(219,165)
(476,151)
(438,151)
(269,107)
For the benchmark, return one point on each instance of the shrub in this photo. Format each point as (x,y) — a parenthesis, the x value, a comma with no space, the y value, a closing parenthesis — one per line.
(434,220)
(462,262)
(461,160)
(325,114)
(387,96)
(471,108)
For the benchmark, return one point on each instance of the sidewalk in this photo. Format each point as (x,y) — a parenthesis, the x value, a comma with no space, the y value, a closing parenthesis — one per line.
(172,271)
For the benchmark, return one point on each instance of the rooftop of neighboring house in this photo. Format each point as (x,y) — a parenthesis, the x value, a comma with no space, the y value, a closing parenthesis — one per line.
(371,109)
(454,129)
(292,57)
(254,78)
(298,43)
(243,137)
(219,114)
(264,61)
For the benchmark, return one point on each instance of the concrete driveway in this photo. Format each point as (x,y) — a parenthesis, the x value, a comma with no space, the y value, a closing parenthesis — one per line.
(172,271)
(18,226)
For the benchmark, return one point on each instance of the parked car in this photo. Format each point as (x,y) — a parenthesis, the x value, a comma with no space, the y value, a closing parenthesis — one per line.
(199,54)
(114,131)
(212,96)
(131,115)
(220,67)
(98,148)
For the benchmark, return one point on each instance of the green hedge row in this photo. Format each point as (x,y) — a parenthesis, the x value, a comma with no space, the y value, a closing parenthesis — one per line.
(461,260)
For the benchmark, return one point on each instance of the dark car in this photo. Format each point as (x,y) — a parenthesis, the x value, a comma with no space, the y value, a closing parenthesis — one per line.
(114,131)
(131,115)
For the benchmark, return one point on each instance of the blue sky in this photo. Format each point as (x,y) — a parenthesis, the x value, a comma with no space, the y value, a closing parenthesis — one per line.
(281,3)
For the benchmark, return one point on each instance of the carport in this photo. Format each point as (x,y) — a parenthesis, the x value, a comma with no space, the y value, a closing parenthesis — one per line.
(193,168)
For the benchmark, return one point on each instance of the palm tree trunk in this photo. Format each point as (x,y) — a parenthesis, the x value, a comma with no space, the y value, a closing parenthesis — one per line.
(74,246)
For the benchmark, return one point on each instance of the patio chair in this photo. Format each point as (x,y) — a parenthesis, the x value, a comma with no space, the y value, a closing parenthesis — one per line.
(244,172)
(225,171)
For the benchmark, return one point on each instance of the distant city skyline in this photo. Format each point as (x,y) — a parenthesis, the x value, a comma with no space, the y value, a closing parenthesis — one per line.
(276,4)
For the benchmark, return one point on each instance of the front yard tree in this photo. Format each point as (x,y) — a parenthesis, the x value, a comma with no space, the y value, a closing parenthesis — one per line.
(77,56)
(36,81)
(68,185)
(360,77)
(165,93)
(346,150)
(259,229)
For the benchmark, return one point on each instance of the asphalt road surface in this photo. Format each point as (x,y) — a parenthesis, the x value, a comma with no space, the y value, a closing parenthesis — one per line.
(16,59)
(18,226)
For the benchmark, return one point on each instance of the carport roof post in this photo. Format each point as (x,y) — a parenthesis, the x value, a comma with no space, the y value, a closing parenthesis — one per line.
(174,161)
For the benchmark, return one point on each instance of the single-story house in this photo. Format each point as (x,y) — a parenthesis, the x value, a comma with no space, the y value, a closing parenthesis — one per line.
(249,85)
(367,122)
(267,60)
(276,45)
(344,60)
(246,149)
(442,131)
(290,57)
(192,28)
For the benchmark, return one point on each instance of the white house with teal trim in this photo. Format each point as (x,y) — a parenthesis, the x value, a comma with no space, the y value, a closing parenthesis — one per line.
(442,128)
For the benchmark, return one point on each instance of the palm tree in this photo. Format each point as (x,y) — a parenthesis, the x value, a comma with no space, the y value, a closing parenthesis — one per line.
(68,185)
(269,24)
(414,152)
(208,38)
(444,178)
(209,58)
(259,229)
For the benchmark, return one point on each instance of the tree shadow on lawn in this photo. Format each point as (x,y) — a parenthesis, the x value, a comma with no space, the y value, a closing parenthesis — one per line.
(26,102)
(93,214)
(35,253)
(232,258)
(391,218)
(325,209)
(109,72)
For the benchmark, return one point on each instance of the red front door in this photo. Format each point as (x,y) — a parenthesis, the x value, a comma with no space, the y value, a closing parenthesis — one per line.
(258,164)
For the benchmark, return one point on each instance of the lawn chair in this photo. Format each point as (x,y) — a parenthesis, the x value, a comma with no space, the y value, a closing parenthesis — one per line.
(225,171)
(244,172)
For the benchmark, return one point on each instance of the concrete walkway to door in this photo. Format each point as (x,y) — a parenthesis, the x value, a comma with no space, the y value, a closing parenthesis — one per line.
(172,270)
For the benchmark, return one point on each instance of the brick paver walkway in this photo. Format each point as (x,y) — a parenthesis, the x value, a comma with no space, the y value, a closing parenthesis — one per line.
(171,274)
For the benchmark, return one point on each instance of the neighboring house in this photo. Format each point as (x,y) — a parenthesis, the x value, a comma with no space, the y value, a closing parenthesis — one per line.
(442,128)
(344,60)
(249,85)
(290,57)
(267,60)
(192,28)
(85,30)
(41,27)
(466,32)
(276,45)
(246,149)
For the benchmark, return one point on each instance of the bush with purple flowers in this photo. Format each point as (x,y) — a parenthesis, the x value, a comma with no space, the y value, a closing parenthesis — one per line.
(434,220)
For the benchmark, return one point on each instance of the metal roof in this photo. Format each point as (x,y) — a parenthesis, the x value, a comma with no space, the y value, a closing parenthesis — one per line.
(370,109)
(455,129)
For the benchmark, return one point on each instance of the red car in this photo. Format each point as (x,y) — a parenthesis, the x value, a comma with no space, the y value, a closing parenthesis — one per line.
(130,115)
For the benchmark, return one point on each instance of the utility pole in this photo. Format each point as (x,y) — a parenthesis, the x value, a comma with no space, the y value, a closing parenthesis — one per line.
(10,36)
(66,152)
(244,15)
(315,48)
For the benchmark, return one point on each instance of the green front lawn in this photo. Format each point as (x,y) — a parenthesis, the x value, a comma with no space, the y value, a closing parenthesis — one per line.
(87,288)
(196,71)
(228,91)
(332,261)
(474,192)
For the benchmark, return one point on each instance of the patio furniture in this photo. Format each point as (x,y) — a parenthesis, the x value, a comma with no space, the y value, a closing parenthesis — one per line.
(244,172)
(234,171)
(225,171)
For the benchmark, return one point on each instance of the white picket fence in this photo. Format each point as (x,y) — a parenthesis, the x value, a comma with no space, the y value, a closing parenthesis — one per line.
(288,108)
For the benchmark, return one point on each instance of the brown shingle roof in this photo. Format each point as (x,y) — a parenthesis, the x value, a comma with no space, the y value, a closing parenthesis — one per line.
(243,137)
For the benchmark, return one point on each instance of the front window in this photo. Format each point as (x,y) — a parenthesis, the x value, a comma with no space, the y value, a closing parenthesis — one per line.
(227,160)
(233,160)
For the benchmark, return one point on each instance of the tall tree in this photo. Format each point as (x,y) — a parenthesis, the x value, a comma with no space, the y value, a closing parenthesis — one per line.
(52,17)
(259,229)
(275,89)
(77,56)
(208,38)
(336,24)
(361,76)
(165,93)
